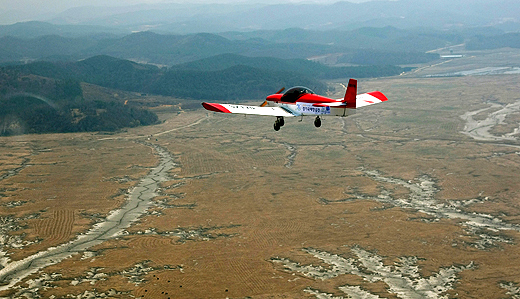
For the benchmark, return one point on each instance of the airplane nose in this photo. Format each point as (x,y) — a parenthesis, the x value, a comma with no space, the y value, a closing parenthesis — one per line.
(273,98)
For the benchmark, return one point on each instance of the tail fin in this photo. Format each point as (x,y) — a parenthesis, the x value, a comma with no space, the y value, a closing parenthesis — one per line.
(350,94)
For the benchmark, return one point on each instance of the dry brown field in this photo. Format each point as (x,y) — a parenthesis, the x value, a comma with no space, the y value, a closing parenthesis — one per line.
(393,202)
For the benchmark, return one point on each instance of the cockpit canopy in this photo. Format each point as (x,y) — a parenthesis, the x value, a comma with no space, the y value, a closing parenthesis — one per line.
(293,94)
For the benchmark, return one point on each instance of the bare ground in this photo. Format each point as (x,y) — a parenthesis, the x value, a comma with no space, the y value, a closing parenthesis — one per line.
(394,202)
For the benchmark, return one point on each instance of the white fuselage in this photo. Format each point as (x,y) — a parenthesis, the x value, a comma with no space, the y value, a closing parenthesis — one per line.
(309,109)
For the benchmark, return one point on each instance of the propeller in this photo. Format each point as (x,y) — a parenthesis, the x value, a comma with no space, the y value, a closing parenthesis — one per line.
(280,91)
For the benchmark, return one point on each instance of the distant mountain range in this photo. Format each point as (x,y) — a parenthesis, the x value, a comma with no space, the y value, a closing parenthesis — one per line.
(170,34)
(187,18)
(34,29)
(169,50)
(390,45)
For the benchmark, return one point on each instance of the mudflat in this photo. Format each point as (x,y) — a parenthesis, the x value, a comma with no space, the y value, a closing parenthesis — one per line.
(416,197)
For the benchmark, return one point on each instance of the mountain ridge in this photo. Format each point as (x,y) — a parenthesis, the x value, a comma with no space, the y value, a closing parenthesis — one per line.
(183,18)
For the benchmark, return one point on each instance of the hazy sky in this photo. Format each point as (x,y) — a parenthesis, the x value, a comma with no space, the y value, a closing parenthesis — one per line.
(45,6)
(12,11)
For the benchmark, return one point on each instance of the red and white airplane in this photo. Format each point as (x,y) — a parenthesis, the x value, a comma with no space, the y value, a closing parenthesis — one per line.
(301,101)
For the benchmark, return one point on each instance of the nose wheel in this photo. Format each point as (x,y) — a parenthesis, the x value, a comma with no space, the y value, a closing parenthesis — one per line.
(280,122)
(317,122)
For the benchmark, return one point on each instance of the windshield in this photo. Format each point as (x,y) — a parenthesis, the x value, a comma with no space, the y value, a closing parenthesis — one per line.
(293,94)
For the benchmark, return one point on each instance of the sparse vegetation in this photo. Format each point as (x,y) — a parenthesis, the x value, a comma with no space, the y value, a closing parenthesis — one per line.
(242,198)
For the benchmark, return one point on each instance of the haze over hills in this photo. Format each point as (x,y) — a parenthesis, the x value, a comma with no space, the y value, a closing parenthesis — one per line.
(174,49)
(286,30)
(343,15)
(33,29)
(173,33)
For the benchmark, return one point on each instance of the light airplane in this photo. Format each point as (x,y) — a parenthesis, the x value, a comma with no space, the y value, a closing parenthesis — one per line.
(301,101)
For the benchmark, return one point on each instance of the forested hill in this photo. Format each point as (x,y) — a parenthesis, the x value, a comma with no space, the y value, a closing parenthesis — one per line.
(224,77)
(301,66)
(235,83)
(47,96)
(34,104)
(511,40)
(100,70)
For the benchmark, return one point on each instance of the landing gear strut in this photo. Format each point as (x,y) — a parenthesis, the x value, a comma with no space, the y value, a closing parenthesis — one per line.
(280,122)
(317,122)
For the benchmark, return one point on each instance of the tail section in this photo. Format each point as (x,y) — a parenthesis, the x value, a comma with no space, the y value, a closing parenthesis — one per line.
(350,94)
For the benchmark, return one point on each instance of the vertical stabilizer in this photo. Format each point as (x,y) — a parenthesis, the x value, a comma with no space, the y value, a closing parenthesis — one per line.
(350,94)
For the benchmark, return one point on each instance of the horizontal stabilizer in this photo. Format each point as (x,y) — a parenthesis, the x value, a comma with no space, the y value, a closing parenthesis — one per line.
(370,98)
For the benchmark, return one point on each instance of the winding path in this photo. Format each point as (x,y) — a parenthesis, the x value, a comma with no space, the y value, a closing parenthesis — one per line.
(138,202)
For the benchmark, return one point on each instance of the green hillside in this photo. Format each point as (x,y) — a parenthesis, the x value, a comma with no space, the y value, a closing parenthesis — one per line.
(231,84)
(34,104)
(47,96)
(481,42)
(237,82)
(301,66)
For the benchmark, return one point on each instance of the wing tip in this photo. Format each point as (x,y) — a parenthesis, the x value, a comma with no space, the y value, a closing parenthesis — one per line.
(379,95)
(215,107)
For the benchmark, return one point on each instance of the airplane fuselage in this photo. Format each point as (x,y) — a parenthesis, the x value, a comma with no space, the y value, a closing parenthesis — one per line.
(311,106)
(301,101)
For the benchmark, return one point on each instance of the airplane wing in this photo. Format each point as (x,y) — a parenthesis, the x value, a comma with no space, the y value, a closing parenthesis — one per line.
(242,109)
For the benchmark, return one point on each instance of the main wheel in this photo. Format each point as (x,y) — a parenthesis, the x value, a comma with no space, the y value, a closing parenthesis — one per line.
(317,122)
(281,121)
(276,126)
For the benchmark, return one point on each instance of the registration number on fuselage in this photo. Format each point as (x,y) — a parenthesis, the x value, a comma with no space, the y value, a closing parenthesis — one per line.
(309,109)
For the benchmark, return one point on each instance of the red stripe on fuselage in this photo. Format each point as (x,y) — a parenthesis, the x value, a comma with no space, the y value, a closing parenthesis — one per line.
(306,98)
(314,98)
(215,107)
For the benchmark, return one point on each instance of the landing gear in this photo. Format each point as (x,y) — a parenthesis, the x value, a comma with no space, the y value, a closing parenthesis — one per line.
(280,122)
(317,122)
